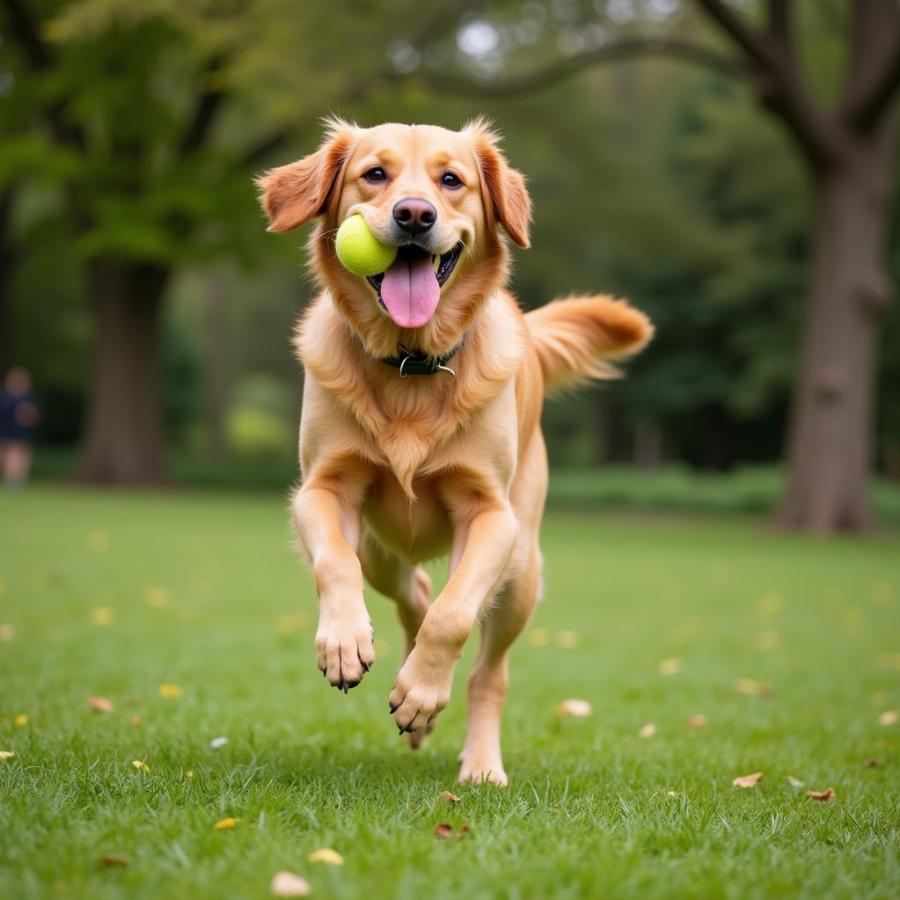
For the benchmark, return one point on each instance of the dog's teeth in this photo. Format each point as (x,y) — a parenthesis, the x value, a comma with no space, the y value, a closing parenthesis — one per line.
(436,262)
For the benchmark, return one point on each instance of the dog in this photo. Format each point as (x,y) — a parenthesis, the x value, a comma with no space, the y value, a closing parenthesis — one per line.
(420,432)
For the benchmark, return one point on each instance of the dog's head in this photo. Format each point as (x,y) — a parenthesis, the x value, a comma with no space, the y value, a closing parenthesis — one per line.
(437,195)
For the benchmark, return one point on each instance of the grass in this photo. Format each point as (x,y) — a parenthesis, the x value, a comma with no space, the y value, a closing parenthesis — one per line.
(592,810)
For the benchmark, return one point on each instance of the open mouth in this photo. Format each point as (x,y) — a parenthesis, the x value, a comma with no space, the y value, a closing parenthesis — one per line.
(410,289)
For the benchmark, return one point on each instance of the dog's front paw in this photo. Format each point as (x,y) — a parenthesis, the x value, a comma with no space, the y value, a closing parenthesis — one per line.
(421,690)
(344,651)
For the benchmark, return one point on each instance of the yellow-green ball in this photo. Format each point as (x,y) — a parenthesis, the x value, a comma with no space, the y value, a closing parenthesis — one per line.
(360,251)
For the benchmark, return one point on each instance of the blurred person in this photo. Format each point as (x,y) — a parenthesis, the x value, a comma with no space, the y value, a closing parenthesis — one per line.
(18,417)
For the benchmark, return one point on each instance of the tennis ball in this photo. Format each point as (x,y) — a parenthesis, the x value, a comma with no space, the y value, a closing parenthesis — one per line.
(360,251)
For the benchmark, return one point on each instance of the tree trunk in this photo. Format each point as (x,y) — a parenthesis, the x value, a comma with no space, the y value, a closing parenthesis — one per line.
(123,437)
(829,441)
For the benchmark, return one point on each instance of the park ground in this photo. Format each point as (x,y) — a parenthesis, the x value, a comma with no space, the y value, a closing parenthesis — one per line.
(190,614)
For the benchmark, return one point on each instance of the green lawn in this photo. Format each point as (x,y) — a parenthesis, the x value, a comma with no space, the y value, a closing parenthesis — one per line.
(204,592)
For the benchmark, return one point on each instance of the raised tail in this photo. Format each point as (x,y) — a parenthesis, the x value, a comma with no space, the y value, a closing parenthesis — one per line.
(577,337)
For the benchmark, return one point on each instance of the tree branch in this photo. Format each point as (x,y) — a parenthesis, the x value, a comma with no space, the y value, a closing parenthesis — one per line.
(773,63)
(875,63)
(564,68)
(209,103)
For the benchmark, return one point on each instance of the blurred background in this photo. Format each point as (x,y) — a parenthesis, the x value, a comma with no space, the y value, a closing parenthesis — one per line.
(728,166)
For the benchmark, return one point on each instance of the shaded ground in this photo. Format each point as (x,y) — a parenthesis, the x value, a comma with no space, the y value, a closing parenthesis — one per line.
(117,594)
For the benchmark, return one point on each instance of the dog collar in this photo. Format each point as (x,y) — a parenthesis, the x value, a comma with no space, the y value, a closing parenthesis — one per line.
(419,363)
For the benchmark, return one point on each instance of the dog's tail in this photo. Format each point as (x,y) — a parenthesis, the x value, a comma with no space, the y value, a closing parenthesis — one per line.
(575,338)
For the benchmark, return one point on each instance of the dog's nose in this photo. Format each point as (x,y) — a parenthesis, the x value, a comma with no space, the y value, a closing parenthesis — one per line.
(414,215)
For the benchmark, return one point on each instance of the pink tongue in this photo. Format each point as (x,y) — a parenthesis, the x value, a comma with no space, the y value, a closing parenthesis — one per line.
(410,291)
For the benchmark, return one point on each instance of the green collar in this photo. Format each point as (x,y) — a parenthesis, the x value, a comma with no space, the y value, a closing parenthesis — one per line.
(419,363)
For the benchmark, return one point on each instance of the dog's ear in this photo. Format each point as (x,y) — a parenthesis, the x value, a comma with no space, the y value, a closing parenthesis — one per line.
(293,194)
(503,188)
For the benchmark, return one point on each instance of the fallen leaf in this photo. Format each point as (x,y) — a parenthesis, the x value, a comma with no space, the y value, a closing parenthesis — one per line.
(567,640)
(21,720)
(101,704)
(671,793)
(287,884)
(7,633)
(539,637)
(158,597)
(669,667)
(188,773)
(748,781)
(170,691)
(98,540)
(795,783)
(648,730)
(578,709)
(823,796)
(135,720)
(101,615)
(698,721)
(111,860)
(218,742)
(7,754)
(753,688)
(225,824)
(139,764)
(326,855)
(449,798)
(888,718)
(443,830)
(873,762)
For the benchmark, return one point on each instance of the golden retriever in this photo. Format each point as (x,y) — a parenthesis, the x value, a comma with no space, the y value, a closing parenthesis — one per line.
(420,432)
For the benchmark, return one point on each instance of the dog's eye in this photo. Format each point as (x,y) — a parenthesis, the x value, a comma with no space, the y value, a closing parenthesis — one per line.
(451,180)
(376,175)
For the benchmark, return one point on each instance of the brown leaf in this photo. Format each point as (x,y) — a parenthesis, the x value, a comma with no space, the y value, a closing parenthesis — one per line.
(752,688)
(7,633)
(748,781)
(873,762)
(698,721)
(443,830)
(100,704)
(888,718)
(448,798)
(577,709)
(287,884)
(824,796)
(111,860)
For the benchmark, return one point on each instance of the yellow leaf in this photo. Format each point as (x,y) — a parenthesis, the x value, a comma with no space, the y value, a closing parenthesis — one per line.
(101,615)
(888,718)
(539,637)
(748,781)
(567,640)
(170,691)
(158,597)
(669,667)
(577,709)
(189,773)
(139,764)
(287,884)
(698,721)
(648,730)
(21,720)
(225,824)
(7,754)
(752,688)
(326,855)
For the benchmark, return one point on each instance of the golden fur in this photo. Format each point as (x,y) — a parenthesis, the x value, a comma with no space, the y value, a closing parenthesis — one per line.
(399,470)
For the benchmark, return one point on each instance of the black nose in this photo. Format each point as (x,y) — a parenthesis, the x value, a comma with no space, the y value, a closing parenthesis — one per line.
(414,215)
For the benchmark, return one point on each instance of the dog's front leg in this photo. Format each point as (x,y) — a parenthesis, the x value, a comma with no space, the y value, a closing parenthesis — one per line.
(482,548)
(328,523)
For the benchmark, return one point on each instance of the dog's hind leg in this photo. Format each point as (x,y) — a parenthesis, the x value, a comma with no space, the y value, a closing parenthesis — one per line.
(509,614)
(407,585)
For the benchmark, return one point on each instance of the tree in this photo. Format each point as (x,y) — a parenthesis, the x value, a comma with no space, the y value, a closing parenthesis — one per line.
(847,148)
